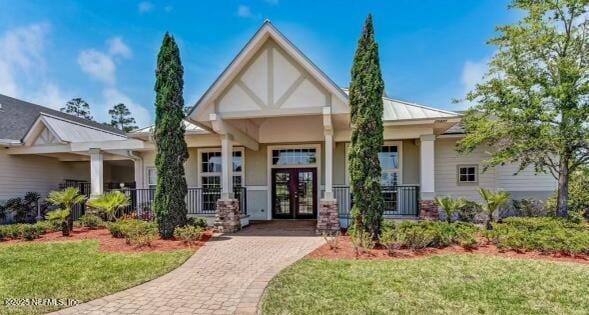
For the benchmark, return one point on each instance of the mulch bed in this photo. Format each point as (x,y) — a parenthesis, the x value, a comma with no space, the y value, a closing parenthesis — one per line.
(346,250)
(111,244)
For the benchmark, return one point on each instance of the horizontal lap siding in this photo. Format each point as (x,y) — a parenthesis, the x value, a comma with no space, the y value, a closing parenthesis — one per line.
(446,160)
(20,174)
(526,180)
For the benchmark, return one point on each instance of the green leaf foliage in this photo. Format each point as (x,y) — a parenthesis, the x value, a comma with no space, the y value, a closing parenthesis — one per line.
(366,91)
(169,203)
(533,105)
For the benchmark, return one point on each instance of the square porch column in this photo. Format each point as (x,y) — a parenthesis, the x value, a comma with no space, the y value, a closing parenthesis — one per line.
(227,214)
(96,172)
(428,209)
(328,216)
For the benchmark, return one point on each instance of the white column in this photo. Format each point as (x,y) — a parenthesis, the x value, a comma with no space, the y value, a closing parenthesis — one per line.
(226,167)
(328,165)
(427,158)
(138,167)
(96,172)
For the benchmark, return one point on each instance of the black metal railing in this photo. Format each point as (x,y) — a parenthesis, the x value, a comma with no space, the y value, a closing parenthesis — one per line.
(199,201)
(401,200)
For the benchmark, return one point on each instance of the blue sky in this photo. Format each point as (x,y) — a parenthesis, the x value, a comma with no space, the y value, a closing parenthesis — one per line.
(104,51)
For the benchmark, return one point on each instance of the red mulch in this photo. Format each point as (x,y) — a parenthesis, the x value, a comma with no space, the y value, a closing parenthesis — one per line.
(345,250)
(111,244)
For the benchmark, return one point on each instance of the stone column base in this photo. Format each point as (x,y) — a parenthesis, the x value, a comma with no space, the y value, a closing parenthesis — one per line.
(328,218)
(428,210)
(227,217)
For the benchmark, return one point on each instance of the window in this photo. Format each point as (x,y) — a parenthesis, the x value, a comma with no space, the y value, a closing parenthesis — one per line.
(151,177)
(294,156)
(467,174)
(389,164)
(210,175)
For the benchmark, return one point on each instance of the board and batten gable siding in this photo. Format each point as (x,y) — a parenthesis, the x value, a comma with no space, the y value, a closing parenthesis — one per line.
(20,174)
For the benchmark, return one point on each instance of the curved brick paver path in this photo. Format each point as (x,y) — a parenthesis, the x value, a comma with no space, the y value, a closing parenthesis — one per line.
(227,276)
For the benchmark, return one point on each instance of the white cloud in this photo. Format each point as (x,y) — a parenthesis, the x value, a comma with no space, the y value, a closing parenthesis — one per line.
(244,11)
(23,68)
(113,96)
(472,74)
(145,7)
(50,95)
(98,65)
(21,57)
(102,66)
(116,47)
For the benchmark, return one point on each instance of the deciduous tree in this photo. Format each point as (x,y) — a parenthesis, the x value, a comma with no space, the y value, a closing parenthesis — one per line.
(532,107)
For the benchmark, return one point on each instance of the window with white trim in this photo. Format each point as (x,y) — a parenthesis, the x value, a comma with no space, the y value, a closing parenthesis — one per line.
(299,156)
(389,164)
(210,176)
(467,174)
(151,177)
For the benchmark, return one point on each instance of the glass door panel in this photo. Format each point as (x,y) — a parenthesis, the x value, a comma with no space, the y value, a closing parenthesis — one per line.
(305,193)
(282,201)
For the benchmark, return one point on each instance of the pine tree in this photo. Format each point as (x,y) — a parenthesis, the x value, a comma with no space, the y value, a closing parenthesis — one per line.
(366,91)
(77,107)
(121,118)
(169,203)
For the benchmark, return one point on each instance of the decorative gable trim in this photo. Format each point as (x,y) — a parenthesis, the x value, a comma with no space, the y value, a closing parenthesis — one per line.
(248,55)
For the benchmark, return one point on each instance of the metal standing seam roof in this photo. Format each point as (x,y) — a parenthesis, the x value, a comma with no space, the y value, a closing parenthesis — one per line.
(399,110)
(73,132)
(190,128)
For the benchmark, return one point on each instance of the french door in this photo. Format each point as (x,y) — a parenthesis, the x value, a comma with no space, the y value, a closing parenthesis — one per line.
(294,193)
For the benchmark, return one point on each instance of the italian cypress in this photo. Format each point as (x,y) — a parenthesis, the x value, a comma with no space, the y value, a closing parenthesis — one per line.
(366,91)
(169,203)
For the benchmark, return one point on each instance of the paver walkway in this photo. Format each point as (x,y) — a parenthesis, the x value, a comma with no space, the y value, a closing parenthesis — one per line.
(226,276)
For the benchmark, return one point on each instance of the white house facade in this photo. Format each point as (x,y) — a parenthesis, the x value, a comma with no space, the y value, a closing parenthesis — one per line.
(269,139)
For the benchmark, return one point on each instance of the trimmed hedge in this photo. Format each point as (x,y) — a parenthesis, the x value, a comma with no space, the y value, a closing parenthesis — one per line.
(419,235)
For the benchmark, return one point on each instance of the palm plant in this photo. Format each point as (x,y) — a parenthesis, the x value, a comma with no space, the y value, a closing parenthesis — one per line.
(491,202)
(110,203)
(61,217)
(450,206)
(66,199)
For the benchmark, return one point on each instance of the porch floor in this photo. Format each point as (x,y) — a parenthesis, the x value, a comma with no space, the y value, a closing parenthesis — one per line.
(282,227)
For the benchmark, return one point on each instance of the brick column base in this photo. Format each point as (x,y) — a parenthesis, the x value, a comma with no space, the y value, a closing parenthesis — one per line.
(328,218)
(227,217)
(428,210)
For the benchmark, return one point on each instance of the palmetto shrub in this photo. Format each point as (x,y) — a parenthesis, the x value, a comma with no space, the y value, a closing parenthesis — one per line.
(110,203)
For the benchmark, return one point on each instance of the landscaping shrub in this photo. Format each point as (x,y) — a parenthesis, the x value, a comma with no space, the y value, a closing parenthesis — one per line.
(469,211)
(136,232)
(60,217)
(49,226)
(27,232)
(141,233)
(189,234)
(197,222)
(90,221)
(548,235)
(419,235)
(361,240)
(527,207)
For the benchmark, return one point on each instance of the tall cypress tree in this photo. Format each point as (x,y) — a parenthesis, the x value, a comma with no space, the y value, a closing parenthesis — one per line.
(366,91)
(169,203)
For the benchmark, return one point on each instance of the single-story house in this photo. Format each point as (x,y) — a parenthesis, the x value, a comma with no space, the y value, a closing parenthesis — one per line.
(270,136)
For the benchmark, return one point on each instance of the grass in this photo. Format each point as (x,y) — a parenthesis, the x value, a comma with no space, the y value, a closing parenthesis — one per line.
(74,270)
(450,284)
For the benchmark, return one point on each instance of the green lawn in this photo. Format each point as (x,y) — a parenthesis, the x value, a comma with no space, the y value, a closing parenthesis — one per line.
(453,284)
(74,270)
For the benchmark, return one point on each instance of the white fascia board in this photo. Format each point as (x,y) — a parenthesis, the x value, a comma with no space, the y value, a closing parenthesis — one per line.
(128,144)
